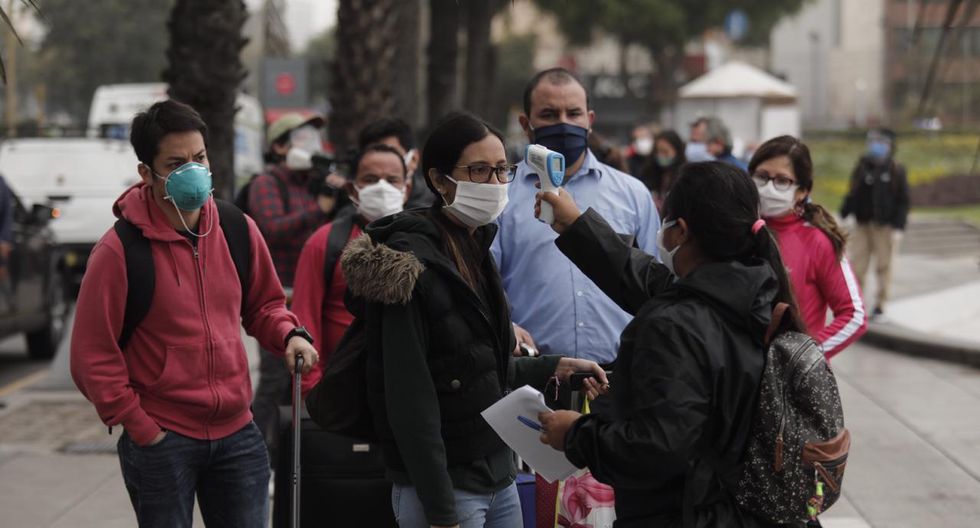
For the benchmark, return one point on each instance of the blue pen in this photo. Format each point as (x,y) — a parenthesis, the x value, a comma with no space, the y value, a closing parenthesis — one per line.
(530,423)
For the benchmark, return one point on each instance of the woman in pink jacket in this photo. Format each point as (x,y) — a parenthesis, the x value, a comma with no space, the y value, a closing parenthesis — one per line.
(811,242)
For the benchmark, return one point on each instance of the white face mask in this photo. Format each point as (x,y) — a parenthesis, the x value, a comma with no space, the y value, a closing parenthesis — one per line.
(643,146)
(477,204)
(667,257)
(408,157)
(299,159)
(379,200)
(774,203)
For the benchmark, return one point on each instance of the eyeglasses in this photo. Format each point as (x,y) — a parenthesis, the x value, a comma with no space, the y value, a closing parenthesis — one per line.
(780,183)
(480,172)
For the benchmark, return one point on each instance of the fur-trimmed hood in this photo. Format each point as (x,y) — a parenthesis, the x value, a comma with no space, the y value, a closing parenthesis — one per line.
(385,264)
(378,273)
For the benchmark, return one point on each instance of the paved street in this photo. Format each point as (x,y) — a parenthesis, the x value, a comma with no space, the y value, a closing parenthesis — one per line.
(915,460)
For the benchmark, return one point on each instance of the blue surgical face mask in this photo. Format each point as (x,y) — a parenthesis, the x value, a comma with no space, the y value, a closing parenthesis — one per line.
(188,186)
(879,149)
(563,138)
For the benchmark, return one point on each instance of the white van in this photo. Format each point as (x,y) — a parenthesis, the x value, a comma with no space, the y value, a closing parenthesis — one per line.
(81,177)
(114,105)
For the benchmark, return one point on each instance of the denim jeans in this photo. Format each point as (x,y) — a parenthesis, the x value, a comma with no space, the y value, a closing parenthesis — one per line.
(230,477)
(475,510)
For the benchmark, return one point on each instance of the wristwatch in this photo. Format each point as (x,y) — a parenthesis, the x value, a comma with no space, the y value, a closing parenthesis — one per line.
(299,331)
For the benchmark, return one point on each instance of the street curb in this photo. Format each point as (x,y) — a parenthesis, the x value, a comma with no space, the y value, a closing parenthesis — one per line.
(920,344)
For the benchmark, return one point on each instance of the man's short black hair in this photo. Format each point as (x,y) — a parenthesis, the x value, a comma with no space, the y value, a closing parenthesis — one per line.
(557,76)
(377,147)
(166,117)
(386,127)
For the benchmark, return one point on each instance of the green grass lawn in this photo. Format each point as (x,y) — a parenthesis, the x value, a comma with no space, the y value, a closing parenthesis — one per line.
(926,157)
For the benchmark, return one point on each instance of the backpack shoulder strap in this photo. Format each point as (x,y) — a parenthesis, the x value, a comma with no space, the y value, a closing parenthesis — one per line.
(340,232)
(777,318)
(140,277)
(235,228)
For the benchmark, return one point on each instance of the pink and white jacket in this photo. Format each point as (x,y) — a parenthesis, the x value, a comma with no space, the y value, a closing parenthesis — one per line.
(820,281)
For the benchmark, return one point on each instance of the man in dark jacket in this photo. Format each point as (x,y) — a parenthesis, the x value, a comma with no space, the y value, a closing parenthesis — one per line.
(879,200)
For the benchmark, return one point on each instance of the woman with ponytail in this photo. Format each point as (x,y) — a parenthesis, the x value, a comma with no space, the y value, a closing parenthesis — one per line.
(811,243)
(690,362)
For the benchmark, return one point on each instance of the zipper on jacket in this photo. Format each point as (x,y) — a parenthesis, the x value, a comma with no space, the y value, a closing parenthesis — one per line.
(207,335)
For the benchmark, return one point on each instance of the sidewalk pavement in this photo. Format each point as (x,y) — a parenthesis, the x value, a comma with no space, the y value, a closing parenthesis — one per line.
(935,307)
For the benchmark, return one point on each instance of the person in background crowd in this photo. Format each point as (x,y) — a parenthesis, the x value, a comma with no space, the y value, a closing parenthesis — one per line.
(179,385)
(697,142)
(811,243)
(661,171)
(638,154)
(286,221)
(381,186)
(719,141)
(427,289)
(561,308)
(691,361)
(6,246)
(606,153)
(879,200)
(397,133)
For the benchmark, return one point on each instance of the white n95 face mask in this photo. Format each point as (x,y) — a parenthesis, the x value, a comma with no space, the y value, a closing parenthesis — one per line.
(379,200)
(666,257)
(774,203)
(477,204)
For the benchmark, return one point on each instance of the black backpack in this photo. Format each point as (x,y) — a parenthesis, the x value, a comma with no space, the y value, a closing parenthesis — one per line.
(793,463)
(241,199)
(338,403)
(140,274)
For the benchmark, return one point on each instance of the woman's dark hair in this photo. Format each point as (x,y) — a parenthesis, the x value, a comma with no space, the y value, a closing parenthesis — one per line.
(799,157)
(606,153)
(442,151)
(720,204)
(166,117)
(658,178)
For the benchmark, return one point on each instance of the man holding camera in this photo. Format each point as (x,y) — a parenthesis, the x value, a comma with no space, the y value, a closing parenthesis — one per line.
(285,207)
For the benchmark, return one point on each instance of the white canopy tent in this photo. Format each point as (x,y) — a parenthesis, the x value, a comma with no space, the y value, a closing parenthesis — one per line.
(755,105)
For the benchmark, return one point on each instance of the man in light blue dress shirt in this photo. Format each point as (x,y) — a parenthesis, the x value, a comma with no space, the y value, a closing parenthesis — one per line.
(561,309)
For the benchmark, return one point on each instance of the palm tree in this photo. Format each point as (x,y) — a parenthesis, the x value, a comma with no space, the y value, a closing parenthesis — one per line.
(362,87)
(205,71)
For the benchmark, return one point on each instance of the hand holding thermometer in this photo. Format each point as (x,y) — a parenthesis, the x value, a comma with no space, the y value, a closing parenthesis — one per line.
(550,167)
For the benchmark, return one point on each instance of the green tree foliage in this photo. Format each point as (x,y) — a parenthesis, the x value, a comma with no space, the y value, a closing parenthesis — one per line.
(88,44)
(664,27)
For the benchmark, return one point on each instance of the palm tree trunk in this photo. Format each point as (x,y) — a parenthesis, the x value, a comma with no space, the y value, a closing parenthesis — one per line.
(362,87)
(443,50)
(407,103)
(205,71)
(479,65)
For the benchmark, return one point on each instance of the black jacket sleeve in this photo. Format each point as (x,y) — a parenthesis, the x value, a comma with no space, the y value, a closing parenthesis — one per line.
(901,198)
(652,443)
(413,411)
(847,207)
(625,274)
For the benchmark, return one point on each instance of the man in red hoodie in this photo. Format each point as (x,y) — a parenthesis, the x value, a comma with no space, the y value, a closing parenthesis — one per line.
(180,384)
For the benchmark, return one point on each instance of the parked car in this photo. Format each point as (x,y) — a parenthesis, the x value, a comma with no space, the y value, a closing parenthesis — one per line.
(82,177)
(32,299)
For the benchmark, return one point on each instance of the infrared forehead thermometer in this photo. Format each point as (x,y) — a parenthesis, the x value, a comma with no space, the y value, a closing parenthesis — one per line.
(550,167)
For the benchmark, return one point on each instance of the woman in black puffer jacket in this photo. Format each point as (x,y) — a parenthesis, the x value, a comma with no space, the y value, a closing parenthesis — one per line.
(690,362)
(440,338)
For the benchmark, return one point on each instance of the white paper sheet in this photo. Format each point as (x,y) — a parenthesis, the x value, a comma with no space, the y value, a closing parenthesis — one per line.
(527,402)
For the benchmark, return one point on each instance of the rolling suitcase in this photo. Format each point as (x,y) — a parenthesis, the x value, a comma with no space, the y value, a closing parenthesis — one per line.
(340,481)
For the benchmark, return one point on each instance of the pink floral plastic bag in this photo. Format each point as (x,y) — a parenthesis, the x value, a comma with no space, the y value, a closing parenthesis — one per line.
(582,501)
